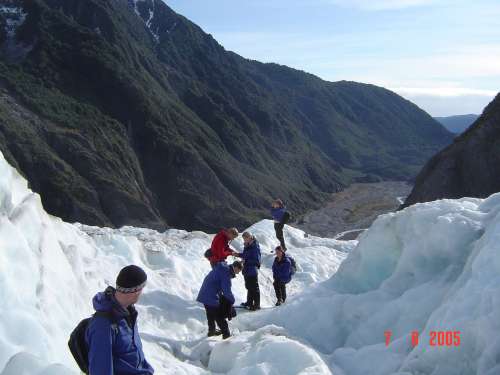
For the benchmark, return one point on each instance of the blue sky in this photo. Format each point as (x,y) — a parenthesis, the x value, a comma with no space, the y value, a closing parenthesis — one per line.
(443,55)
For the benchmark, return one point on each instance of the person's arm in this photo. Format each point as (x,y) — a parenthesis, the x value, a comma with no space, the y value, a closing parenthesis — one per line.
(228,251)
(274,213)
(243,255)
(218,247)
(287,265)
(286,270)
(100,337)
(226,288)
(132,368)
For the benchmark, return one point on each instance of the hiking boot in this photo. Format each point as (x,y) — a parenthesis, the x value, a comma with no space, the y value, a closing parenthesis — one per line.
(244,304)
(217,332)
(278,303)
(226,335)
(254,308)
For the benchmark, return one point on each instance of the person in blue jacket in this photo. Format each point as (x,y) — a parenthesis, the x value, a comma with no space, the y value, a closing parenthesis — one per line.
(251,263)
(282,274)
(216,295)
(280,217)
(115,347)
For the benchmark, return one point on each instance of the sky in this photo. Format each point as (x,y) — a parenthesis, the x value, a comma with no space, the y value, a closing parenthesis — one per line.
(443,55)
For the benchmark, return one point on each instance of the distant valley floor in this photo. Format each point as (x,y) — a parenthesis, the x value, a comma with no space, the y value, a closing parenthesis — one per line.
(354,209)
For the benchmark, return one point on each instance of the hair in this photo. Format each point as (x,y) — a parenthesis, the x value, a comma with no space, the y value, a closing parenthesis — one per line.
(279,248)
(279,202)
(233,231)
(238,264)
(247,235)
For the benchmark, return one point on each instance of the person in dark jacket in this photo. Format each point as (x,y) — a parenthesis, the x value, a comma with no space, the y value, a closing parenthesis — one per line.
(282,274)
(216,295)
(220,249)
(279,214)
(251,263)
(115,347)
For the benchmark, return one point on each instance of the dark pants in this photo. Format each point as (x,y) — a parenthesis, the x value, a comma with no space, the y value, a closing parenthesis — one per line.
(278,228)
(253,292)
(280,290)
(215,314)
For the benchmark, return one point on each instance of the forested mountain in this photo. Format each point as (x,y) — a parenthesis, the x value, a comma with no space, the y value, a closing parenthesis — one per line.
(126,113)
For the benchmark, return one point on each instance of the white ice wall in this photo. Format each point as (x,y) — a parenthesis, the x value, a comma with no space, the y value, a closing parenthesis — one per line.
(50,270)
(430,267)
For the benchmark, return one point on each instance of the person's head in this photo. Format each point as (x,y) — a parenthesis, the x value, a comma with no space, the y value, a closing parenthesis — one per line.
(248,238)
(232,233)
(278,203)
(129,285)
(237,267)
(280,253)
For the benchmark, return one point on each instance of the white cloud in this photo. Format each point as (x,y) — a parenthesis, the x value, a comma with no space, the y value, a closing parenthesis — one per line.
(443,91)
(375,5)
(450,105)
(446,78)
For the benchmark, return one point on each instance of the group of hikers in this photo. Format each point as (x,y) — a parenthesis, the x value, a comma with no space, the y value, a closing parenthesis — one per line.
(215,292)
(108,343)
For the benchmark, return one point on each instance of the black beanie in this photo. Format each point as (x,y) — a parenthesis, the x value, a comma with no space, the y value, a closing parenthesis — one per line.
(131,279)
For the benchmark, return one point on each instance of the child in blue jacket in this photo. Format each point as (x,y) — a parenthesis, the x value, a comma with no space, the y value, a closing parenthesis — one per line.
(282,274)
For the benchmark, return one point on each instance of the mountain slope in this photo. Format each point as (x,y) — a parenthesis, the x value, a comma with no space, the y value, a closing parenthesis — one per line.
(124,112)
(457,124)
(467,168)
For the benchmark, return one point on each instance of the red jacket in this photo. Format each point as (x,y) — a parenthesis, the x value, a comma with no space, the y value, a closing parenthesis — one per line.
(220,247)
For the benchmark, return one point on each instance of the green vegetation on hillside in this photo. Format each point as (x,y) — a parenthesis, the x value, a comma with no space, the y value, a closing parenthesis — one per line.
(113,127)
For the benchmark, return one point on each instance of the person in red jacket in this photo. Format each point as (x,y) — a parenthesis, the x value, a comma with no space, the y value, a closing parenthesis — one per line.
(220,245)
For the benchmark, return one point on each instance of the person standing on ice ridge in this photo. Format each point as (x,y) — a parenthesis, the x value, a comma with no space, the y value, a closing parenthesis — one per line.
(216,295)
(251,263)
(280,216)
(282,274)
(220,249)
(114,344)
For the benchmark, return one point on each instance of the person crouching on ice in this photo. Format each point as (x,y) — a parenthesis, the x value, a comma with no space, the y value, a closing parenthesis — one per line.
(251,263)
(216,295)
(282,274)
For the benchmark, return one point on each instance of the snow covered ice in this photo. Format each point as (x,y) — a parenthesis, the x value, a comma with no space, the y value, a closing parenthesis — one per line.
(431,267)
(50,270)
